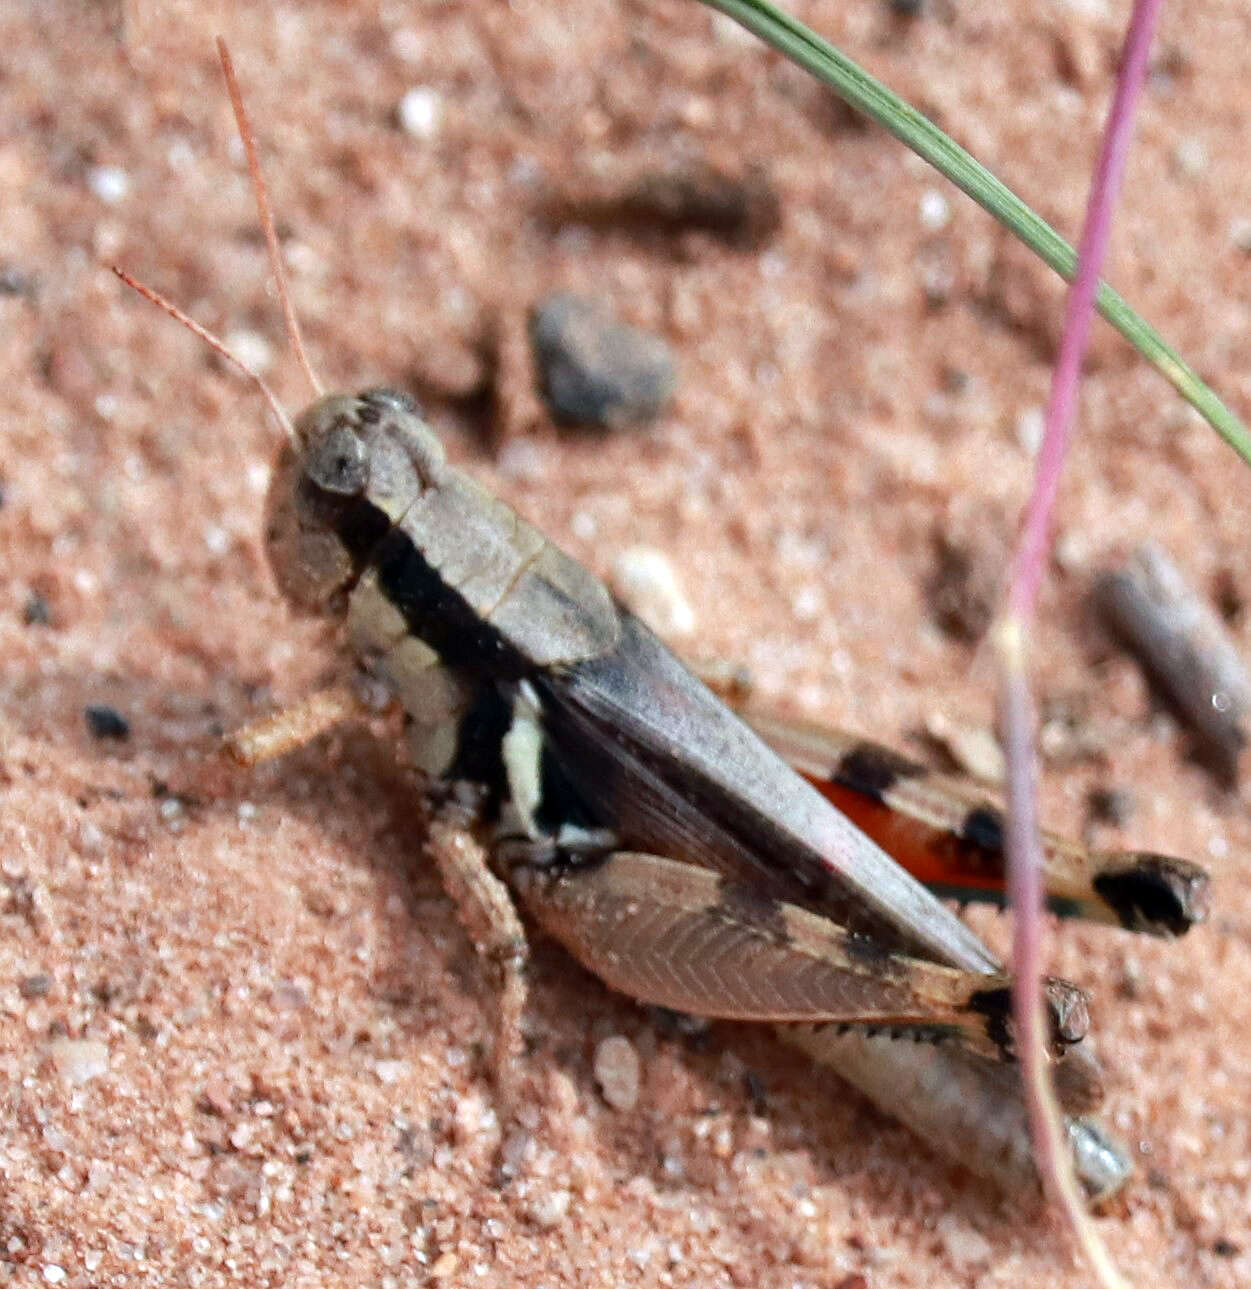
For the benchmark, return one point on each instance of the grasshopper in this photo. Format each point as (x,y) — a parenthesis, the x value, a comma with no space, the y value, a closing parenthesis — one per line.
(576,768)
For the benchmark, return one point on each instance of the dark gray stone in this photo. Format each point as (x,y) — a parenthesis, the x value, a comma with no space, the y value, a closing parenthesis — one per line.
(594,370)
(106,722)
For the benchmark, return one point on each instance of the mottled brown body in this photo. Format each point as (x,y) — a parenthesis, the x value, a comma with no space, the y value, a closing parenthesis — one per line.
(693,869)
(641,821)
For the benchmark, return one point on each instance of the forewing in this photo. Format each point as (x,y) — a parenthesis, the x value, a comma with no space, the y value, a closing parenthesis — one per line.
(676,773)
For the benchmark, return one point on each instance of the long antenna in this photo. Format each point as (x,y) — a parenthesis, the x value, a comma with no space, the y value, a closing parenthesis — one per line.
(216,345)
(266,215)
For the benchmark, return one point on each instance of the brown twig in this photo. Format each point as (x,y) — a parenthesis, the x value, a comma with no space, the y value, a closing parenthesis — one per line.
(1185,649)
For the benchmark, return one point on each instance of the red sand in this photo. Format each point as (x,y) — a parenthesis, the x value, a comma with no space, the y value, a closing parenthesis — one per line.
(283,1081)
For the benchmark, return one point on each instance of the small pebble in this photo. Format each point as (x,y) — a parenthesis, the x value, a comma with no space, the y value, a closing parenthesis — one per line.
(53,1274)
(594,370)
(523,460)
(1113,806)
(109,183)
(965,1246)
(180,155)
(518,1150)
(807,604)
(1240,234)
(1130,983)
(1190,157)
(617,1071)
(549,1209)
(962,589)
(15,281)
(935,210)
(420,111)
(171,809)
(106,722)
(79,1060)
(1030,427)
(647,582)
(584,525)
(445,1265)
(1079,55)
(1071,551)
(37,612)
(250,347)
(38,986)
(473,1121)
(974,749)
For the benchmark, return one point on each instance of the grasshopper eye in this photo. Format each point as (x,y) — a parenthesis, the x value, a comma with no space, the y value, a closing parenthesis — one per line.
(338,463)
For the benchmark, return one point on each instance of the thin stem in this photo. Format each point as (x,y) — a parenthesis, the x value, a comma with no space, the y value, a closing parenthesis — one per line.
(1012,634)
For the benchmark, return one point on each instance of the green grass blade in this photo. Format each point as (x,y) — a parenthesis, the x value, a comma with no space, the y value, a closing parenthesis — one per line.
(803,46)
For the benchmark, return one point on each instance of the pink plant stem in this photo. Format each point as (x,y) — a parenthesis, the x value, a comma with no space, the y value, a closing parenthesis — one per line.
(1079,310)
(1017,718)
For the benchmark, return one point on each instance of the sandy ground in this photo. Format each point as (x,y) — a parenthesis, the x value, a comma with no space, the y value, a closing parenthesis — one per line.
(241,1035)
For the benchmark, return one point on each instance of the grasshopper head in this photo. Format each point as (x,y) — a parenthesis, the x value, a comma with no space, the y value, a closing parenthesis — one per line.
(354,466)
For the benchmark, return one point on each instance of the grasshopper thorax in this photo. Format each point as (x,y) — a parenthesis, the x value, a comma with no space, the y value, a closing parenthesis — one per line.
(355,465)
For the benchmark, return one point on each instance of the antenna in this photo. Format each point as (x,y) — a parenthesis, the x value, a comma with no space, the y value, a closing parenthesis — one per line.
(216,345)
(266,218)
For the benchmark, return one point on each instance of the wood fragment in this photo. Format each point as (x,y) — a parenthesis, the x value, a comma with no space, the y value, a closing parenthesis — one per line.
(651,192)
(1185,649)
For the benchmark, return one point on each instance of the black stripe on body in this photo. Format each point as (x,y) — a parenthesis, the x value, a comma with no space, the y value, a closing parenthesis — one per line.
(1158,894)
(873,770)
(995,1007)
(975,847)
(356,521)
(744,903)
(983,827)
(439,615)
(934,1035)
(442,618)
(433,611)
(560,802)
(479,747)
(1068,1018)
(871,953)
